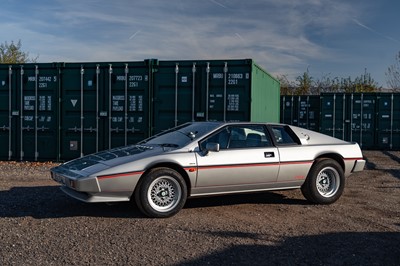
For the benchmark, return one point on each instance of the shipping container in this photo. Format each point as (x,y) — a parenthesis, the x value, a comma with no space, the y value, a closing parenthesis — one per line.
(334,120)
(370,119)
(362,119)
(350,117)
(8,113)
(127,92)
(61,111)
(301,110)
(102,106)
(28,112)
(215,90)
(388,121)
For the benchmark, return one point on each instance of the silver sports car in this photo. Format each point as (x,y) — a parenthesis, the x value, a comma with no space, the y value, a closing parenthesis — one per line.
(212,158)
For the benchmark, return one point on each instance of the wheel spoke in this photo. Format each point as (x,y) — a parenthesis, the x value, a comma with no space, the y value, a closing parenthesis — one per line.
(164,193)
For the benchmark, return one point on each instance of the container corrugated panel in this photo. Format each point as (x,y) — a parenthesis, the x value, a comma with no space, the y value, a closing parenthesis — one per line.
(302,111)
(388,121)
(37,90)
(215,90)
(265,96)
(8,113)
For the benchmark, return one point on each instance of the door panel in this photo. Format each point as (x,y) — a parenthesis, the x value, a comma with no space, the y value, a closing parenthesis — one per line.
(236,167)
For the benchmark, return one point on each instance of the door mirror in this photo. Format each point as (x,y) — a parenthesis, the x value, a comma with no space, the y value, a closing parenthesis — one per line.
(212,147)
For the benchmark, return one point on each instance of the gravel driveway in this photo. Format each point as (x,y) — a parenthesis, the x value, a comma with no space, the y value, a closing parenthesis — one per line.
(42,226)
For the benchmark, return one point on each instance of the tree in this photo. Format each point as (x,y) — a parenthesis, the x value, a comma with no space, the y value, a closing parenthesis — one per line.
(393,75)
(12,54)
(286,88)
(304,84)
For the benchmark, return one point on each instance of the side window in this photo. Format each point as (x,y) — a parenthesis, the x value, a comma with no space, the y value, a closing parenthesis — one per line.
(239,136)
(283,135)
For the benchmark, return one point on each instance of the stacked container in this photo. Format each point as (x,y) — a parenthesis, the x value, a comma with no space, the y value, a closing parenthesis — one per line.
(62,111)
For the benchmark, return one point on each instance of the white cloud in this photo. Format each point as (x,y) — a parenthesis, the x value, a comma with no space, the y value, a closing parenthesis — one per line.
(281,35)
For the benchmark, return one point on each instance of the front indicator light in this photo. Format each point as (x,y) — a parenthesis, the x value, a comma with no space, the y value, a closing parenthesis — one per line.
(72,183)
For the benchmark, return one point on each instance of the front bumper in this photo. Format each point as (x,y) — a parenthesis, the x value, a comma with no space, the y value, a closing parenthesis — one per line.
(90,198)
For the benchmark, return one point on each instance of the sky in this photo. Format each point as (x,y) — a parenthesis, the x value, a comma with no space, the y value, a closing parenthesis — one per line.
(329,38)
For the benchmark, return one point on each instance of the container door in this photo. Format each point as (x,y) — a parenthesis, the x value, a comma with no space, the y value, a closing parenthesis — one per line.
(229,93)
(388,121)
(174,94)
(127,103)
(362,111)
(289,110)
(37,95)
(8,112)
(82,110)
(308,112)
(333,115)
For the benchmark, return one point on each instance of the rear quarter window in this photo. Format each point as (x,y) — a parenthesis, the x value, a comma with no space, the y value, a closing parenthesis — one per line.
(283,135)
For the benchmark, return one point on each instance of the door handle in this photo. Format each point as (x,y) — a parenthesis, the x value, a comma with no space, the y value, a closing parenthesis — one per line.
(269,154)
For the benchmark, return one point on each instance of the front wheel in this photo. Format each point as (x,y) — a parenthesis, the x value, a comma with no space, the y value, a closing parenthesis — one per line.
(324,183)
(161,193)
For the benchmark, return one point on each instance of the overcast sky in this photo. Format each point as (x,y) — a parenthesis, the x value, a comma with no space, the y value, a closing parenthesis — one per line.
(339,38)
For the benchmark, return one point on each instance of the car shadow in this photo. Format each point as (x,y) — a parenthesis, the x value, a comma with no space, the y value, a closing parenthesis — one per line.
(44,202)
(395,172)
(238,199)
(344,248)
(50,202)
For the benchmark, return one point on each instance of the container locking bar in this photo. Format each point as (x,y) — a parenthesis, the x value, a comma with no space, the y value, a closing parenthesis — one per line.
(9,112)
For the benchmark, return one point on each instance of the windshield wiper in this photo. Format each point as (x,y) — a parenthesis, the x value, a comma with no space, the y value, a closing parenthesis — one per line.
(191,134)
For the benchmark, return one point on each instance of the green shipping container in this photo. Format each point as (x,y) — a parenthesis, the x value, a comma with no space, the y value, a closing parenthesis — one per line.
(9,114)
(350,117)
(29,98)
(102,106)
(61,111)
(388,121)
(301,110)
(214,90)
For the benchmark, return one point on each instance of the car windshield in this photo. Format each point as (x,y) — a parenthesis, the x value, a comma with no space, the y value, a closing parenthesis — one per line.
(182,135)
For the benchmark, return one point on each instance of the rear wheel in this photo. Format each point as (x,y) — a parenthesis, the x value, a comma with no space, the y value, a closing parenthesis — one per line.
(324,183)
(161,193)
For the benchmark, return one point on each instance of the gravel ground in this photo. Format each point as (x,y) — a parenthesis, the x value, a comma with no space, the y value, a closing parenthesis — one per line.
(42,226)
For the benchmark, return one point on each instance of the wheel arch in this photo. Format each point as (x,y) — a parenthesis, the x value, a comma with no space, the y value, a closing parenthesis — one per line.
(171,165)
(334,156)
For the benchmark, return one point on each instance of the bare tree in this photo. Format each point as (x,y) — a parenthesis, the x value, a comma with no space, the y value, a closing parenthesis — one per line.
(286,88)
(12,54)
(393,75)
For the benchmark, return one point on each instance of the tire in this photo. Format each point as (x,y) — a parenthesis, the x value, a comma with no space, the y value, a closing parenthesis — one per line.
(161,193)
(324,183)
